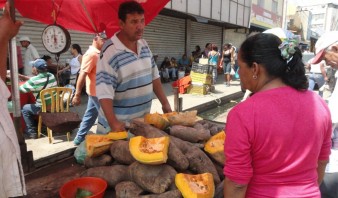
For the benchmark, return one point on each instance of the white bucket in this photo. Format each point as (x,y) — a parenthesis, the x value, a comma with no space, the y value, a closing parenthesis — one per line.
(181,74)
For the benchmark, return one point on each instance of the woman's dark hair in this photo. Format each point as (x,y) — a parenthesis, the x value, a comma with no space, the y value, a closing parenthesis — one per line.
(77,47)
(263,49)
(206,45)
(228,45)
(46,57)
(129,7)
(198,48)
(214,47)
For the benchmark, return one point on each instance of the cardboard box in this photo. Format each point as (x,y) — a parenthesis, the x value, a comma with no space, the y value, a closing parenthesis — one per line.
(201,78)
(198,89)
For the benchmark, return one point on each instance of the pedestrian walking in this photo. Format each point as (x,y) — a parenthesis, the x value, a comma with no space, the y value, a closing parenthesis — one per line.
(87,77)
(228,62)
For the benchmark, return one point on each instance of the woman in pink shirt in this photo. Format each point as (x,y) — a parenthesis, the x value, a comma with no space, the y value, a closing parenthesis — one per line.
(278,140)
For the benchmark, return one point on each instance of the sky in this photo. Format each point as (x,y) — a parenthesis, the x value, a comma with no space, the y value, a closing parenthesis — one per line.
(310,2)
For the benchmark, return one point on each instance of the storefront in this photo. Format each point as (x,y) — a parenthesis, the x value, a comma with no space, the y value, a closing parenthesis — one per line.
(166,37)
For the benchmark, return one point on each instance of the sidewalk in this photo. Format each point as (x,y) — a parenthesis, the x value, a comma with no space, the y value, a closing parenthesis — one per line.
(44,153)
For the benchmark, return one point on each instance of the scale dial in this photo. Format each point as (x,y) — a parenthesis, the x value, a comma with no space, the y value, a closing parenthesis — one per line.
(56,39)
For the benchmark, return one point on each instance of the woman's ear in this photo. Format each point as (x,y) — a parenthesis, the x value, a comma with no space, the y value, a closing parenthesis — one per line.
(334,48)
(255,68)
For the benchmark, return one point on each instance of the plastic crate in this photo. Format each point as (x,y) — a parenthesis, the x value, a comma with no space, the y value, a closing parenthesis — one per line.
(198,89)
(201,78)
(202,69)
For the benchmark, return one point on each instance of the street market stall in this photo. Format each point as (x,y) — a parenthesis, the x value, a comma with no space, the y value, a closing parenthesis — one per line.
(163,161)
(92,16)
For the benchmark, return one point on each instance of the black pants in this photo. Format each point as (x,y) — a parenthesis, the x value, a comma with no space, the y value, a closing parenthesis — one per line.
(329,186)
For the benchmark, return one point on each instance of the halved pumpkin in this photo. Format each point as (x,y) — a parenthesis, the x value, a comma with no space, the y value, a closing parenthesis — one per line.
(157,120)
(215,147)
(149,150)
(117,135)
(97,145)
(195,186)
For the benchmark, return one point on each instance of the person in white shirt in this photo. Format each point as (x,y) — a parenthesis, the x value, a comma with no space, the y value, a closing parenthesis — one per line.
(31,54)
(317,76)
(327,50)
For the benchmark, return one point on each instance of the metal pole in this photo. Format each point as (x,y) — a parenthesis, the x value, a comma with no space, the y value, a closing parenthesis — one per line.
(15,89)
(13,62)
(177,100)
(26,156)
(284,21)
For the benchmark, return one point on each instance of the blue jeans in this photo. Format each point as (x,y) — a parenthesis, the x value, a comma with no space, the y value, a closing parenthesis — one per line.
(316,78)
(89,118)
(226,67)
(214,74)
(29,111)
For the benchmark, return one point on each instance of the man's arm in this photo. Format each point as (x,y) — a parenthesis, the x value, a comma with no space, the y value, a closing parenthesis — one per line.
(221,59)
(232,53)
(7,31)
(23,77)
(158,90)
(81,80)
(234,190)
(114,123)
(323,71)
(35,53)
(321,170)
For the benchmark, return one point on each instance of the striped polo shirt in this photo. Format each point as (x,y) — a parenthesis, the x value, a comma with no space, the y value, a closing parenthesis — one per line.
(36,83)
(126,78)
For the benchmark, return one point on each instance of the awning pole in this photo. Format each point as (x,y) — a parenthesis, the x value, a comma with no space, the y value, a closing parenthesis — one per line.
(13,64)
(26,157)
(15,89)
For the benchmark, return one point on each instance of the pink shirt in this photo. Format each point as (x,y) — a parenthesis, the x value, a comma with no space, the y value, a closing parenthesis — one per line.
(274,140)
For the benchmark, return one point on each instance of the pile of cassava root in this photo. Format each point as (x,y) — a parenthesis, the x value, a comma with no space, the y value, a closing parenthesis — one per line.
(132,179)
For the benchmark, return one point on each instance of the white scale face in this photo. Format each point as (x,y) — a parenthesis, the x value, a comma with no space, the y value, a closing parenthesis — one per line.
(54,39)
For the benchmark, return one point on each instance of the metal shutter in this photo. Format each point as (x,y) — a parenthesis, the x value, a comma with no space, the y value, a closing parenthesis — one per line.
(166,37)
(201,34)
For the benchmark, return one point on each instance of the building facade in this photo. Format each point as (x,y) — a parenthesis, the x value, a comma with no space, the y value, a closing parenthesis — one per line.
(179,27)
(266,14)
(312,19)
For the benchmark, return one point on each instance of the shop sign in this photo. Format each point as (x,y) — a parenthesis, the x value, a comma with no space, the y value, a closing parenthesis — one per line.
(264,18)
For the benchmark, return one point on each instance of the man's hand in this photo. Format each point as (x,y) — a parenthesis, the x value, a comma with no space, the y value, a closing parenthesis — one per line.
(118,126)
(76,100)
(166,108)
(8,28)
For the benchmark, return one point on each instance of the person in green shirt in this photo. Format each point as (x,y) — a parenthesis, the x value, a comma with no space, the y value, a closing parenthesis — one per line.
(41,80)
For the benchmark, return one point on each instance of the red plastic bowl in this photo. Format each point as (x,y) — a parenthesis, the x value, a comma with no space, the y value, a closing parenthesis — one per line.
(93,184)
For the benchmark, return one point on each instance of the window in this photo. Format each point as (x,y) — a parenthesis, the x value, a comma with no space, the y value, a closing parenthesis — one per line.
(260,3)
(274,8)
(316,17)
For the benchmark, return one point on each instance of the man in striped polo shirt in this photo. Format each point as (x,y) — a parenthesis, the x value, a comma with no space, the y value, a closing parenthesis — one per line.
(127,74)
(41,80)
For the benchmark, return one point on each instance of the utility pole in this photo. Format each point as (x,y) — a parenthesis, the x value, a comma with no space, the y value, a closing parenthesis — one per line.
(285,7)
